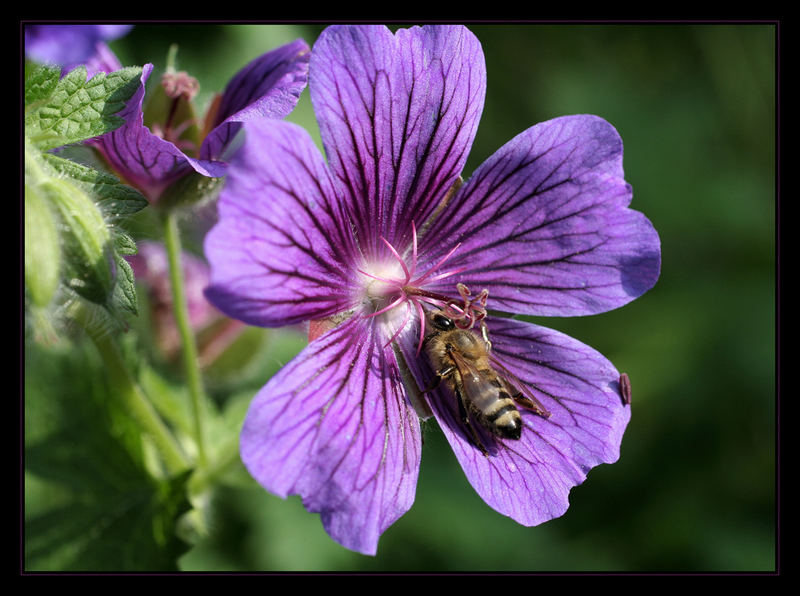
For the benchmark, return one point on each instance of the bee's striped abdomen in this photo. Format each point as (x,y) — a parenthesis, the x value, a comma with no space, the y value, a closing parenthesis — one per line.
(498,411)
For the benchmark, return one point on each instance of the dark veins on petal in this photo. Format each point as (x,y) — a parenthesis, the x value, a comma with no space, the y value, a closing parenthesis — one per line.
(490,185)
(291,240)
(435,167)
(522,365)
(343,379)
(398,172)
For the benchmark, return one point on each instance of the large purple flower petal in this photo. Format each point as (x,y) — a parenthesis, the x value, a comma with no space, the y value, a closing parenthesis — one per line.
(268,87)
(545,224)
(143,159)
(529,479)
(397,115)
(333,426)
(276,253)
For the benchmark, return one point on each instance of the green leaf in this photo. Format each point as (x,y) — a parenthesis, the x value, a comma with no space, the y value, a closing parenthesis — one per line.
(91,503)
(88,204)
(124,295)
(40,85)
(86,240)
(114,197)
(77,109)
(124,244)
(115,201)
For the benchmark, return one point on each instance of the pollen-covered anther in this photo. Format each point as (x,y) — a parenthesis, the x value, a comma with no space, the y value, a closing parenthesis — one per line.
(471,310)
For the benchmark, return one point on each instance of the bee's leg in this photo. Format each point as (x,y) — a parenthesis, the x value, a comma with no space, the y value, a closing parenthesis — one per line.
(485,334)
(529,404)
(445,372)
(462,410)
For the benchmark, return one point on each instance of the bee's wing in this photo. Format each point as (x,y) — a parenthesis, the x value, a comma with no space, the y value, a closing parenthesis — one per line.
(518,390)
(476,386)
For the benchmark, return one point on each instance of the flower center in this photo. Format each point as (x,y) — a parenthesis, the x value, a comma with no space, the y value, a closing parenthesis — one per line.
(395,291)
(382,283)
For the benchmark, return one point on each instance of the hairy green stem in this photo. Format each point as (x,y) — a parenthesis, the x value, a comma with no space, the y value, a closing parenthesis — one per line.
(136,403)
(189,345)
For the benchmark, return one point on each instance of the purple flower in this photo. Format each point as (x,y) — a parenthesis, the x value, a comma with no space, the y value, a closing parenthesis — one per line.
(70,45)
(381,234)
(152,158)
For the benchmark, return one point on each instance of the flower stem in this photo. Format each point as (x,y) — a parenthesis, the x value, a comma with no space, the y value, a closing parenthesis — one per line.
(188,343)
(131,395)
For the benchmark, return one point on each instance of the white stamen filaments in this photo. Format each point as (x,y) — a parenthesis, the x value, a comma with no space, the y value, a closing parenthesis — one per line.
(391,287)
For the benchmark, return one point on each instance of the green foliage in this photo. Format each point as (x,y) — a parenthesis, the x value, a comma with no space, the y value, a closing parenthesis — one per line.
(72,210)
(124,293)
(73,109)
(85,237)
(92,501)
(114,198)
(40,85)
(98,496)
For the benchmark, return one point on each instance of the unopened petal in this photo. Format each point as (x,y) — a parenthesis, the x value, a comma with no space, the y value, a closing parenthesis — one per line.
(143,159)
(268,87)
(334,427)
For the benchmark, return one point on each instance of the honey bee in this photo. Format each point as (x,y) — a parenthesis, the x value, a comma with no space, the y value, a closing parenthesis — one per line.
(485,390)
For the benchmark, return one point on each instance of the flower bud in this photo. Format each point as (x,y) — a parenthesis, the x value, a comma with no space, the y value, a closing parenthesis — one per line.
(86,241)
(42,252)
(180,84)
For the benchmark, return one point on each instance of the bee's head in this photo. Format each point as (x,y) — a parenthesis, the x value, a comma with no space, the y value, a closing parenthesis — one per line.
(440,321)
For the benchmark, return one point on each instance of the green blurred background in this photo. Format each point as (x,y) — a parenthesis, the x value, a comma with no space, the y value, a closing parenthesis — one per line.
(695,487)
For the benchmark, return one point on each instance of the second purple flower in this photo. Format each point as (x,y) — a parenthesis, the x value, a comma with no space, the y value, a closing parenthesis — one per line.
(153,156)
(378,238)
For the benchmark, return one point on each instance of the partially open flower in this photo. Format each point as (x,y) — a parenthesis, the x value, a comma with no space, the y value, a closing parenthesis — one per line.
(153,156)
(382,234)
